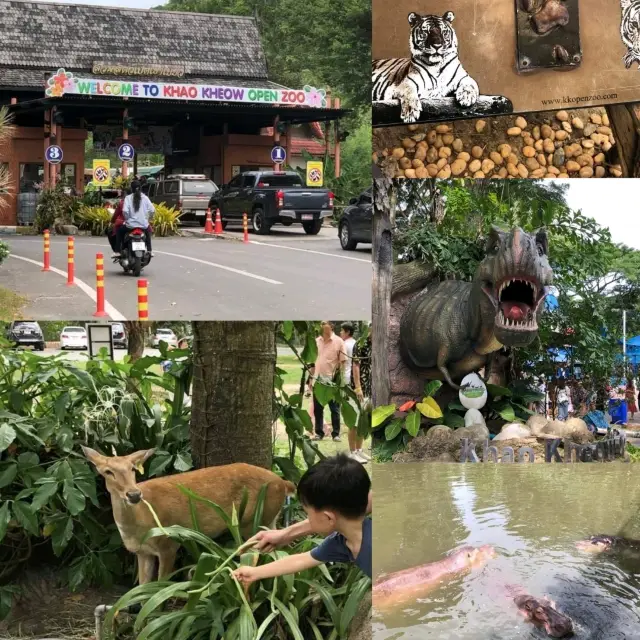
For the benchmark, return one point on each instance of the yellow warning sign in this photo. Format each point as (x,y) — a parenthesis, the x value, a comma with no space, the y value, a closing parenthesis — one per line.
(101,173)
(315,173)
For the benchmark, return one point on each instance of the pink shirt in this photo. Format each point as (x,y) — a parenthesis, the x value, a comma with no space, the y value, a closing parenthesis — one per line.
(331,355)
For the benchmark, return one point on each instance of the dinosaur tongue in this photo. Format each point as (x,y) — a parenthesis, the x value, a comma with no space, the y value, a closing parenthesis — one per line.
(515,310)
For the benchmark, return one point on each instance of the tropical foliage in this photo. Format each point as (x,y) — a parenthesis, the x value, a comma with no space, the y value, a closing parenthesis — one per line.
(165,220)
(54,205)
(95,219)
(212,604)
(6,131)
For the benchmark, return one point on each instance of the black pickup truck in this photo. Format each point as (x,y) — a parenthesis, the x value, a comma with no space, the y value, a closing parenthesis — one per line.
(272,197)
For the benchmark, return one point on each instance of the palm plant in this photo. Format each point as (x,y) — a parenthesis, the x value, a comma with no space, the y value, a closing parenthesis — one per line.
(6,132)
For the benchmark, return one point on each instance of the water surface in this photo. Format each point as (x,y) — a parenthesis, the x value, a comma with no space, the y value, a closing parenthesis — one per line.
(532,515)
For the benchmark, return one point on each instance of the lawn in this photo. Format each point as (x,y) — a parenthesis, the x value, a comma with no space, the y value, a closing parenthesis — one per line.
(11,305)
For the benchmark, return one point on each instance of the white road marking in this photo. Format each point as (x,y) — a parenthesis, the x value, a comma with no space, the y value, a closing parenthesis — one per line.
(219,266)
(111,311)
(322,253)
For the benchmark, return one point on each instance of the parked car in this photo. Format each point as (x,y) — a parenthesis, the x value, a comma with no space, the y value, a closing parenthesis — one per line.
(26,333)
(356,222)
(118,335)
(74,338)
(270,197)
(165,335)
(188,193)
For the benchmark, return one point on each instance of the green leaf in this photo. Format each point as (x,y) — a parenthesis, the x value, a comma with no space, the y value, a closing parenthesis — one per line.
(431,387)
(8,473)
(506,412)
(393,429)
(287,329)
(288,468)
(327,598)
(7,436)
(159,463)
(288,616)
(61,535)
(323,392)
(350,607)
(73,497)
(495,391)
(174,590)
(412,423)
(26,517)
(183,462)
(349,414)
(5,517)
(453,420)
(310,351)
(304,417)
(259,509)
(380,414)
(44,493)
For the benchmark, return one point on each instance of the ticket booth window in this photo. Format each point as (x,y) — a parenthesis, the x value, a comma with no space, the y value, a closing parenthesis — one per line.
(31,177)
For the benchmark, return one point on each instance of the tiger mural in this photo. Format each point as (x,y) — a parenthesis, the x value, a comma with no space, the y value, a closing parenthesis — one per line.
(630,31)
(432,71)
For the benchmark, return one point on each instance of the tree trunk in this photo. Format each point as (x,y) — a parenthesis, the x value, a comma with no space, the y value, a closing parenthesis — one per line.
(136,334)
(383,220)
(233,372)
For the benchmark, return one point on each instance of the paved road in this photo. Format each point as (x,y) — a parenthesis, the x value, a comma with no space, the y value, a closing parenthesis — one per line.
(286,275)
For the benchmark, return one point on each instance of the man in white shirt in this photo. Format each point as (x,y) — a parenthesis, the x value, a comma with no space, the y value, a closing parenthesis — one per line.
(355,443)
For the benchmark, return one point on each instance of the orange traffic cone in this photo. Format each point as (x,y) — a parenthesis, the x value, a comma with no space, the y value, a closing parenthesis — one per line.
(208,225)
(218,229)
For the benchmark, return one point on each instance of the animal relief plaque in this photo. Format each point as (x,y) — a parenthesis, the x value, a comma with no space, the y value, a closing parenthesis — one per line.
(458,59)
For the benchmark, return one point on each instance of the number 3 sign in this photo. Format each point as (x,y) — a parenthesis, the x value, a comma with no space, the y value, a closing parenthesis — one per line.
(53,154)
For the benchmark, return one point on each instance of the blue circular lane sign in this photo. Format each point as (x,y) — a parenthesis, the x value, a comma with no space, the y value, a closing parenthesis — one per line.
(278,155)
(53,154)
(126,152)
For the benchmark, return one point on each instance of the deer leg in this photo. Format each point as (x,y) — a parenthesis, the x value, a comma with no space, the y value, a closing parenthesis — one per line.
(167,558)
(146,567)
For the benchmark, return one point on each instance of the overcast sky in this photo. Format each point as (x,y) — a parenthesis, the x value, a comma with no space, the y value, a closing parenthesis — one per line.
(130,4)
(613,202)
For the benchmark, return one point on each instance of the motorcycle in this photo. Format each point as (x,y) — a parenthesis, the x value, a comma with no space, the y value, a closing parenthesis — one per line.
(135,254)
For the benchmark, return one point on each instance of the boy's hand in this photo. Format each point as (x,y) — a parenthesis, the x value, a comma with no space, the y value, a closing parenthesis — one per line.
(267,541)
(245,574)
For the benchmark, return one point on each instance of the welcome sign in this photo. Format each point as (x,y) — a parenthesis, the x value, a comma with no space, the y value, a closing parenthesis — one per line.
(65,83)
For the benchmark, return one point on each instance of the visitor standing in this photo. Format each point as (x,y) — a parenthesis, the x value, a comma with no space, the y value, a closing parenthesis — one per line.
(329,364)
(541,405)
(630,396)
(562,399)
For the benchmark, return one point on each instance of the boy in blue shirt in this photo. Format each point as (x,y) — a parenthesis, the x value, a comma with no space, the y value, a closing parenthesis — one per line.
(335,494)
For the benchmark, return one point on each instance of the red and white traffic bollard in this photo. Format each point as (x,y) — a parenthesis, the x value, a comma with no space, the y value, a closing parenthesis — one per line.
(100,312)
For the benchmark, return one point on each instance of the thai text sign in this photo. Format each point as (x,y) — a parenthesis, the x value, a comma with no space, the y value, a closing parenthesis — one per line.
(170,71)
(607,449)
(65,83)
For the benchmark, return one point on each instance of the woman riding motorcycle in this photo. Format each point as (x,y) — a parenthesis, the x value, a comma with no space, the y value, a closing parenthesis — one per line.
(137,210)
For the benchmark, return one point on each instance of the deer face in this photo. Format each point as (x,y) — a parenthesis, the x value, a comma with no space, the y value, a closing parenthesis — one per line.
(119,472)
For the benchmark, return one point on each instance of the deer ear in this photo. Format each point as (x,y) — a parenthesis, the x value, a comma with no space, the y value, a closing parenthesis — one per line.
(140,457)
(92,455)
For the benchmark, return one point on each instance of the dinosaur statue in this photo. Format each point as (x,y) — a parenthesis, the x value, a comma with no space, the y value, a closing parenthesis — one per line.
(450,328)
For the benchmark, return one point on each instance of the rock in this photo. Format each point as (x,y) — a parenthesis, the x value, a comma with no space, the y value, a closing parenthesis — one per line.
(589,129)
(536,424)
(558,157)
(513,431)
(437,441)
(68,229)
(578,431)
(555,428)
(445,457)
(473,416)
(475,433)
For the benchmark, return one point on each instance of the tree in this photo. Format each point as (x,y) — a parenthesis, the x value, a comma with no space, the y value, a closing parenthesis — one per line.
(233,380)
(136,335)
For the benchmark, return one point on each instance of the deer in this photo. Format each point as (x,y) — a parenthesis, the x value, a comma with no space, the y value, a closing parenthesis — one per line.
(223,485)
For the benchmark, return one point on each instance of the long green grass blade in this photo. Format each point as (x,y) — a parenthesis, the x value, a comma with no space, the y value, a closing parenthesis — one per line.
(206,564)
(286,614)
(350,607)
(176,590)
(316,632)
(327,598)
(259,510)
(265,625)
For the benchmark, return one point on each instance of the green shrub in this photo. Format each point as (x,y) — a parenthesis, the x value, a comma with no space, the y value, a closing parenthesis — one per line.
(212,605)
(165,221)
(95,219)
(55,204)
(49,496)
(4,251)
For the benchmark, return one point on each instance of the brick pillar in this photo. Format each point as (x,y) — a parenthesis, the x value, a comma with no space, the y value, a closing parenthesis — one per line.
(53,174)
(276,139)
(337,138)
(125,137)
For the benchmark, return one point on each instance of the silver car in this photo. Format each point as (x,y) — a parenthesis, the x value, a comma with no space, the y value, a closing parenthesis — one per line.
(188,193)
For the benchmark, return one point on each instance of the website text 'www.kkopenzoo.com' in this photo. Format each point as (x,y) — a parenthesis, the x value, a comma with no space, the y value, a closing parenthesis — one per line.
(568,100)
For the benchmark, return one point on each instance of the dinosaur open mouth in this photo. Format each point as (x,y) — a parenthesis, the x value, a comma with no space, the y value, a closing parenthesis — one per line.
(516,301)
